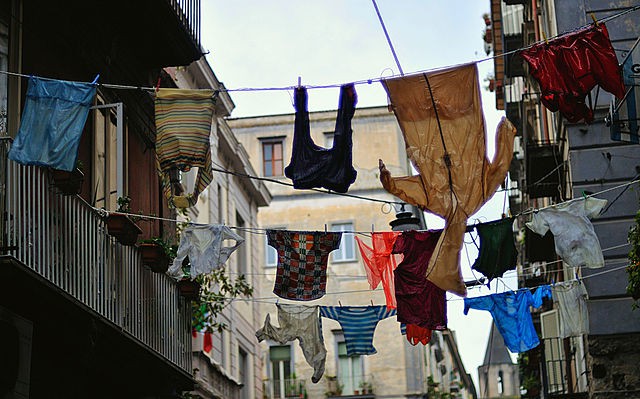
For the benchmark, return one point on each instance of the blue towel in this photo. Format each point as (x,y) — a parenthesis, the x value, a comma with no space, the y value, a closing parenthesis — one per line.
(52,121)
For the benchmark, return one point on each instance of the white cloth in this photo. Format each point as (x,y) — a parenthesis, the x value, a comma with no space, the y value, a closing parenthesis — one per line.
(204,247)
(571,297)
(576,241)
(302,323)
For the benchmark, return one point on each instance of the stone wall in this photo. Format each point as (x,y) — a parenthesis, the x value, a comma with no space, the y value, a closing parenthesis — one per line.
(614,362)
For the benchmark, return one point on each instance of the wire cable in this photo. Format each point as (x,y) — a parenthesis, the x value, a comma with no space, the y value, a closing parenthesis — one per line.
(358,82)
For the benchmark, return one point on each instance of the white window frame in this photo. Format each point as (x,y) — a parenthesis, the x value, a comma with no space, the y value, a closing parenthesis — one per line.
(270,251)
(346,243)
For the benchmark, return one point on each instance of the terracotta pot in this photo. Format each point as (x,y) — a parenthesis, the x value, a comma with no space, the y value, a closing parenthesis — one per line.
(69,183)
(122,228)
(189,289)
(153,255)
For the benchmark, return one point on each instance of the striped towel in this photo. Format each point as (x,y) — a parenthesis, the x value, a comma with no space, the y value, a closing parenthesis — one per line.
(183,126)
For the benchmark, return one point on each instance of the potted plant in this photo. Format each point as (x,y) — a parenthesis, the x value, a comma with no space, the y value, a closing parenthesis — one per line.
(69,183)
(366,387)
(120,225)
(633,270)
(189,289)
(157,254)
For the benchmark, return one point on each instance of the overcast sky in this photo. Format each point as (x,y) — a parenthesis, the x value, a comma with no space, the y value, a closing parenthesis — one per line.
(258,43)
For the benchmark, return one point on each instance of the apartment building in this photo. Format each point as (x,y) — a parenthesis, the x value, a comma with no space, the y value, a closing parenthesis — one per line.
(555,161)
(397,370)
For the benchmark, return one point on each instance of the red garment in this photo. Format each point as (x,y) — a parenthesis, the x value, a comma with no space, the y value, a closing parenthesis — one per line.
(419,301)
(567,68)
(379,263)
(417,334)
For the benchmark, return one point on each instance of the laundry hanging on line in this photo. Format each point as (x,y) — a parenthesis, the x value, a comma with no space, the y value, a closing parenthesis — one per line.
(380,262)
(53,118)
(416,334)
(301,273)
(312,166)
(440,115)
(575,239)
(183,126)
(571,301)
(568,67)
(420,301)
(204,245)
(358,324)
(304,324)
(510,311)
(497,250)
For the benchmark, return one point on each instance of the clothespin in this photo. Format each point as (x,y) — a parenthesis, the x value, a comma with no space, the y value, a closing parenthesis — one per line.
(158,84)
(371,302)
(299,81)
(325,227)
(95,80)
(575,272)
(595,21)
(340,303)
(553,282)
(544,36)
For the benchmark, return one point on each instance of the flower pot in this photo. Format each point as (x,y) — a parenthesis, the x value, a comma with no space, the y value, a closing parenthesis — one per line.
(153,255)
(122,228)
(189,289)
(69,183)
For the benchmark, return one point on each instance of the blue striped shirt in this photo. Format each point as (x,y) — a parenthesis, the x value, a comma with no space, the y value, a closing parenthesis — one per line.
(358,325)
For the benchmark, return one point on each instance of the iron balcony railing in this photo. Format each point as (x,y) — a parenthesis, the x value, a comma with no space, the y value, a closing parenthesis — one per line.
(65,241)
(564,371)
(285,389)
(188,12)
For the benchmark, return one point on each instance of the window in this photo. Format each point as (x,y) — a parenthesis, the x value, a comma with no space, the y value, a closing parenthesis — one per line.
(271,255)
(500,383)
(347,251)
(280,370)
(243,371)
(272,163)
(242,249)
(220,206)
(108,169)
(328,139)
(350,369)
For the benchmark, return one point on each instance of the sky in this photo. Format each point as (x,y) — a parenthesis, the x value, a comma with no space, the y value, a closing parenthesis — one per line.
(267,44)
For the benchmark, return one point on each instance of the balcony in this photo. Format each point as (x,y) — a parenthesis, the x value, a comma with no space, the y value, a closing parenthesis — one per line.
(351,387)
(63,271)
(545,171)
(112,36)
(285,389)
(563,376)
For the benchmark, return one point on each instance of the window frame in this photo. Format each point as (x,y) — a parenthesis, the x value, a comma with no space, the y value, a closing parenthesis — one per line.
(272,141)
(269,249)
(346,235)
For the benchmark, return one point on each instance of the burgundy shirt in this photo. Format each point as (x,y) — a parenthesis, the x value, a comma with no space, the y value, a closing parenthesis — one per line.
(420,302)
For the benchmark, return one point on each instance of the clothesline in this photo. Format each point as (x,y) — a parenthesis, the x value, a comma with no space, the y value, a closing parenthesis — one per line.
(449,299)
(260,230)
(358,82)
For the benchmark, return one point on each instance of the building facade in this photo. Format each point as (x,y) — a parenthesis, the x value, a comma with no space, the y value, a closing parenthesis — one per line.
(82,316)
(558,161)
(233,368)
(397,370)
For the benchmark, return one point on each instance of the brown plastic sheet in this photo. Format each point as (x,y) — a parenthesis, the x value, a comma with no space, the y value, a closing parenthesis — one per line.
(453,193)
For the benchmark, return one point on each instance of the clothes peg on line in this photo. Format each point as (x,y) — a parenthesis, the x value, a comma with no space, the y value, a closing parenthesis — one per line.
(371,302)
(299,81)
(593,17)
(340,303)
